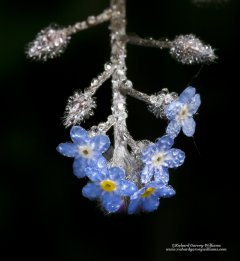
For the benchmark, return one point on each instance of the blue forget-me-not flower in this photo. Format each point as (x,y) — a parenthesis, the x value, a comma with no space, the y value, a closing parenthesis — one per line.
(147,198)
(86,151)
(158,157)
(180,113)
(109,186)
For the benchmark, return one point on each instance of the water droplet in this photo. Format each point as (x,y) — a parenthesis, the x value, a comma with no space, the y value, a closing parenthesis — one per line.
(91,20)
(128,84)
(94,82)
(101,126)
(175,153)
(120,72)
(120,106)
(107,66)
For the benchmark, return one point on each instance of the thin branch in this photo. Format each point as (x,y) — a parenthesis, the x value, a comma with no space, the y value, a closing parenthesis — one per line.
(101,78)
(186,49)
(118,56)
(90,22)
(81,104)
(156,102)
(127,89)
(102,127)
(148,42)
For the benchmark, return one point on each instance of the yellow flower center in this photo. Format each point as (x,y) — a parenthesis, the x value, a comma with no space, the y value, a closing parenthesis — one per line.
(158,159)
(183,112)
(108,185)
(148,192)
(85,151)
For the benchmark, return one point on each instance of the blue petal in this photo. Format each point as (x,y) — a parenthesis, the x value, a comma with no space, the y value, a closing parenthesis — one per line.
(161,174)
(98,162)
(126,188)
(148,152)
(78,134)
(79,166)
(146,174)
(134,205)
(67,149)
(189,127)
(150,203)
(187,95)
(173,129)
(100,143)
(165,142)
(91,191)
(95,175)
(116,173)
(155,184)
(111,202)
(173,109)
(165,192)
(194,105)
(138,193)
(174,158)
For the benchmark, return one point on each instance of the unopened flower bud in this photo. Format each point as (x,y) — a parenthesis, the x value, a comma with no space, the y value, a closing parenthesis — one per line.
(159,101)
(187,49)
(79,107)
(49,43)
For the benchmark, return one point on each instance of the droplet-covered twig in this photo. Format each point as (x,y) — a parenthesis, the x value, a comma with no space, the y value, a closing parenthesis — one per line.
(80,106)
(102,127)
(186,49)
(53,40)
(156,102)
(148,42)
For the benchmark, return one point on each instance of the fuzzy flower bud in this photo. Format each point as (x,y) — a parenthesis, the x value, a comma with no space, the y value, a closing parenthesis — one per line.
(187,49)
(49,43)
(159,101)
(79,107)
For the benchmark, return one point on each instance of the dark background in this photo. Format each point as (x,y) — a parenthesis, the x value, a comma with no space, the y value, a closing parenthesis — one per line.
(42,213)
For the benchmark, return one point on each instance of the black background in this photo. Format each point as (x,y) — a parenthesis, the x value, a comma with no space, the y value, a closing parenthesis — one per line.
(42,213)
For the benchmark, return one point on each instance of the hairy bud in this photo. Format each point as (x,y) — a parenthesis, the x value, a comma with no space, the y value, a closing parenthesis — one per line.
(187,49)
(79,107)
(49,43)
(159,101)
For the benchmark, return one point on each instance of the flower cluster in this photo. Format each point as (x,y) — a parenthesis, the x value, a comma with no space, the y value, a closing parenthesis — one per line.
(112,185)
(130,175)
(86,151)
(108,184)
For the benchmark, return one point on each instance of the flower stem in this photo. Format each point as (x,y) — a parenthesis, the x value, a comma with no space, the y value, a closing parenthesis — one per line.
(136,94)
(118,55)
(161,44)
(90,22)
